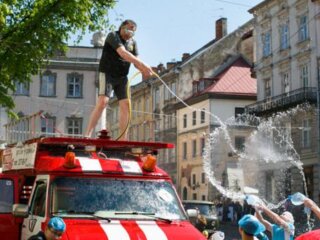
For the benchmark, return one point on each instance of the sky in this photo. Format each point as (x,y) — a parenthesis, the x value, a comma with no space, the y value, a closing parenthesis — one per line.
(168,28)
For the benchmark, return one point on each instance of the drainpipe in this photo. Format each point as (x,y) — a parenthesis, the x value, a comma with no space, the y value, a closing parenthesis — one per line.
(316,9)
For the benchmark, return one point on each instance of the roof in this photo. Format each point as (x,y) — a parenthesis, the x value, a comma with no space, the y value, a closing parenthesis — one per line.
(259,5)
(235,80)
(231,81)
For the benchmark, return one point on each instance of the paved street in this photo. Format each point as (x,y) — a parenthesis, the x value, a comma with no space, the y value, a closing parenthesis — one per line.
(230,230)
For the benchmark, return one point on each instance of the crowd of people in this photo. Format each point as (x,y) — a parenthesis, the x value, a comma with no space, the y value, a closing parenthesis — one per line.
(232,211)
(259,222)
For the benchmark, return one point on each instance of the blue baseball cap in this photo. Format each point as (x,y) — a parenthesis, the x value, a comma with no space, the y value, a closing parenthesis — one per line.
(57,224)
(251,225)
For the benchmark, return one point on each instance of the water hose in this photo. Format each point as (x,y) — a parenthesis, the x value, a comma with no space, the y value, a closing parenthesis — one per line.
(129,103)
(129,99)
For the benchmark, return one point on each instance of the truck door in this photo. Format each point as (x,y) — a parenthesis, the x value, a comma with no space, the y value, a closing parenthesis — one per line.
(37,205)
(9,226)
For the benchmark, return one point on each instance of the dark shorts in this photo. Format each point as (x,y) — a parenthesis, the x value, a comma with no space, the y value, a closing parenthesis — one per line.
(108,83)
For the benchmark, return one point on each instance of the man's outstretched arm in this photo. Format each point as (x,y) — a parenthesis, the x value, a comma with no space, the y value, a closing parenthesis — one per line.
(128,56)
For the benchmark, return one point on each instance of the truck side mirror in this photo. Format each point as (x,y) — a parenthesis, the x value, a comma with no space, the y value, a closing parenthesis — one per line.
(193,216)
(192,213)
(20,210)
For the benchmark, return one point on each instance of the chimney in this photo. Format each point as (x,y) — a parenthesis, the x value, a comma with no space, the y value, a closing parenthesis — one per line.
(161,68)
(185,56)
(155,69)
(221,28)
(170,65)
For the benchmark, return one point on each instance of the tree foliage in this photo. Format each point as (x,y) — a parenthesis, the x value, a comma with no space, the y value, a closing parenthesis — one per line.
(31,31)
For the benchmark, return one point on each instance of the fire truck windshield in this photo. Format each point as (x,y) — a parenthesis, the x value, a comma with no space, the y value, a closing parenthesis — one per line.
(86,196)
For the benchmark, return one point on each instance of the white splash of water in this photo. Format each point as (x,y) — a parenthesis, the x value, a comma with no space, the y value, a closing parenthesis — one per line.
(269,144)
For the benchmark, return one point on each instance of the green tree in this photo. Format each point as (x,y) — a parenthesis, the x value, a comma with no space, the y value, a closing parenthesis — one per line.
(31,31)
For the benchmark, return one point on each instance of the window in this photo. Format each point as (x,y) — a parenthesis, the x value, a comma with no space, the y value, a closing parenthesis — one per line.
(194,196)
(39,199)
(185,193)
(194,148)
(172,153)
(306,133)
(157,126)
(203,197)
(48,84)
(74,85)
(174,121)
(304,75)
(166,93)
(284,36)
(285,82)
(184,120)
(184,151)
(303,28)
(270,186)
(173,89)
(79,195)
(194,179)
(203,116)
(267,88)
(239,143)
(6,196)
(47,124)
(170,121)
(147,105)
(156,99)
(147,132)
(201,85)
(21,88)
(74,126)
(165,121)
(203,143)
(266,42)
(194,87)
(309,174)
(203,177)
(238,111)
(194,118)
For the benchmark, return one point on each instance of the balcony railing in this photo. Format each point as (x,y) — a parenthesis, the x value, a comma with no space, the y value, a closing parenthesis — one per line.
(283,101)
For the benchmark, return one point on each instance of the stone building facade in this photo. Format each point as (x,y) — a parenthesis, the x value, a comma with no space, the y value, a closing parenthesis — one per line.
(59,100)
(287,39)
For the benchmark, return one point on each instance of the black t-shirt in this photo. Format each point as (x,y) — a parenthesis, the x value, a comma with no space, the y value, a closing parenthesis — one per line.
(111,63)
(39,236)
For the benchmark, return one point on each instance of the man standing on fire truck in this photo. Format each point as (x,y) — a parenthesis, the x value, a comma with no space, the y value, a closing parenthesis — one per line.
(120,49)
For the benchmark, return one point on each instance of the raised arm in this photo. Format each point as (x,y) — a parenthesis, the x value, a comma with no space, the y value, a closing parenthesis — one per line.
(313,206)
(275,217)
(262,220)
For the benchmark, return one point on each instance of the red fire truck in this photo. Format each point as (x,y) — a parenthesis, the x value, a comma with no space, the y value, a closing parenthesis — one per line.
(103,189)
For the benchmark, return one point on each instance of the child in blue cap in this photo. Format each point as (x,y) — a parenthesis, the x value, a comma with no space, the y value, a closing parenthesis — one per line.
(250,228)
(54,230)
(283,226)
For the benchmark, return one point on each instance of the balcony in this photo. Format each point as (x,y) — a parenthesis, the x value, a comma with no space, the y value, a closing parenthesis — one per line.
(283,101)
